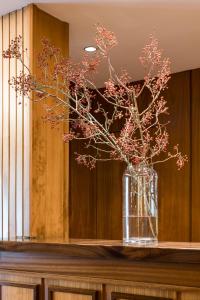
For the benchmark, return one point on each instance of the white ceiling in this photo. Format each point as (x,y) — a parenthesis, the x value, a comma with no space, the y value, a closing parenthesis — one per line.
(176,23)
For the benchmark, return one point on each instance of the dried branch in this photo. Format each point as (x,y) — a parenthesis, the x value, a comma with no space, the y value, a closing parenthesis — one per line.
(68,92)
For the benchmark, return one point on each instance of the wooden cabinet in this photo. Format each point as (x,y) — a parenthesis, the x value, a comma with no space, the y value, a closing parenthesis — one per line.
(17,286)
(98,270)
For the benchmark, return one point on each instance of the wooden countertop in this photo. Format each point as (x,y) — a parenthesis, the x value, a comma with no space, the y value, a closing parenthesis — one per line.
(165,252)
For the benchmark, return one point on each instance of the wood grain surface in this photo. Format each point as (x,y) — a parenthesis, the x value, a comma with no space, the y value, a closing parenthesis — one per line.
(49,159)
(195,141)
(60,275)
(83,208)
(178,212)
(95,249)
(33,157)
(174,186)
(104,270)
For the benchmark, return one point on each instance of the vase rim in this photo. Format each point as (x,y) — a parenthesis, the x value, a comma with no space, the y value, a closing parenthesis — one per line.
(140,168)
(142,165)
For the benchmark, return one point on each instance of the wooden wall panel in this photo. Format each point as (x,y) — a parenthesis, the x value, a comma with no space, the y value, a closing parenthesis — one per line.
(174,185)
(19,143)
(27,120)
(49,166)
(6,146)
(82,210)
(13,105)
(195,140)
(109,199)
(33,158)
(12,149)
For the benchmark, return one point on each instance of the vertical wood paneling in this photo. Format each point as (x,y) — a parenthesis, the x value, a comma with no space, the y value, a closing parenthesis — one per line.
(109,200)
(83,204)
(19,160)
(27,21)
(174,186)
(6,150)
(12,185)
(45,176)
(195,139)
(14,133)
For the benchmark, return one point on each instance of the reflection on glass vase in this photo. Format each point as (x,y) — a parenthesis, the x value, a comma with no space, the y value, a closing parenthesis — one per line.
(140,214)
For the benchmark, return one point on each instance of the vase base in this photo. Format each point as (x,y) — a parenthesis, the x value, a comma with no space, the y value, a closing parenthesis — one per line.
(142,241)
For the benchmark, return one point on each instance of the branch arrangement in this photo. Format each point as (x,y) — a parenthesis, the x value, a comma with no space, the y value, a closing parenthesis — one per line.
(69,93)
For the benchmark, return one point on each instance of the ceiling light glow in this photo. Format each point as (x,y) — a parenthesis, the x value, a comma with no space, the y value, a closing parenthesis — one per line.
(90,49)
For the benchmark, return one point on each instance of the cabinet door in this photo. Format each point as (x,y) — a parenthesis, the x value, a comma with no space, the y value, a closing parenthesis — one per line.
(15,286)
(140,292)
(123,296)
(151,292)
(73,290)
(190,295)
(13,291)
(58,293)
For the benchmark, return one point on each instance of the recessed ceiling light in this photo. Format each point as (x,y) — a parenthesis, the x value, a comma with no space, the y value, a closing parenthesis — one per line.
(90,49)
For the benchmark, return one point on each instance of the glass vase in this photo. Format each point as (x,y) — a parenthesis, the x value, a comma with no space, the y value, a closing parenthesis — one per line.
(140,209)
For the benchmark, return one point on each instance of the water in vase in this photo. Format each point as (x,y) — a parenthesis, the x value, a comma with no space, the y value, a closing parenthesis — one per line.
(140,205)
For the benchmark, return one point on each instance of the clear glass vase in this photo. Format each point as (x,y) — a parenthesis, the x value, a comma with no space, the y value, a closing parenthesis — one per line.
(140,213)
